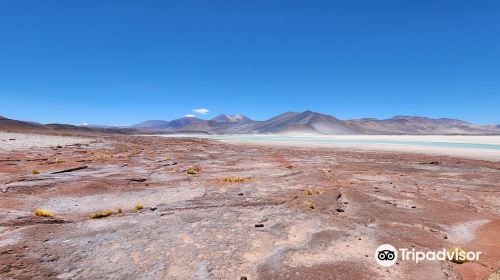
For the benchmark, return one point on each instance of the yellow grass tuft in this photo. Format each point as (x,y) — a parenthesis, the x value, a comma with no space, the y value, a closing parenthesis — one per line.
(193,170)
(312,191)
(35,172)
(43,212)
(101,214)
(458,255)
(58,160)
(494,275)
(310,205)
(139,206)
(233,179)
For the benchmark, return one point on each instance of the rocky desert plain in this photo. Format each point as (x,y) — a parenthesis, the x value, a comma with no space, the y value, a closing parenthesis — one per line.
(190,208)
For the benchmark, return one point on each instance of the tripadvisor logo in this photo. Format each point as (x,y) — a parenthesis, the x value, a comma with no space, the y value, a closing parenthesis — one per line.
(387,255)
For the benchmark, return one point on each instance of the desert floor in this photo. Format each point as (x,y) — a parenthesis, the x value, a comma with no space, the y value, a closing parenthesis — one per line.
(199,226)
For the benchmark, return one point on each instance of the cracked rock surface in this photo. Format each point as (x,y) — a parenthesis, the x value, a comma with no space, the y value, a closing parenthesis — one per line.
(198,226)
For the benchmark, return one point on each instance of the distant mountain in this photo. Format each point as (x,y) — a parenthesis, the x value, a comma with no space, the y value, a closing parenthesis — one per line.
(154,124)
(493,127)
(14,125)
(224,118)
(160,124)
(24,126)
(416,125)
(100,126)
(222,124)
(307,122)
(179,123)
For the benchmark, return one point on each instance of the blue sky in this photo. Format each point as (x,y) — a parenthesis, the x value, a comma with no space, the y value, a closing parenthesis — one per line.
(122,62)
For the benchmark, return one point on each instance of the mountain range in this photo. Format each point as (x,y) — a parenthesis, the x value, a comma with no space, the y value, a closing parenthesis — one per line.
(306,122)
(309,122)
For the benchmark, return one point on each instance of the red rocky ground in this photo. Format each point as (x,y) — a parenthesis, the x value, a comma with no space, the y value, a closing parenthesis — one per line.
(199,227)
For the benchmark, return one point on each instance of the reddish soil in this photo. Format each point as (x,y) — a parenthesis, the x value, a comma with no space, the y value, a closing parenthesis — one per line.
(199,227)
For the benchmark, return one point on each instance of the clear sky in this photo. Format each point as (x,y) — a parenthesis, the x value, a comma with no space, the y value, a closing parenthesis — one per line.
(122,62)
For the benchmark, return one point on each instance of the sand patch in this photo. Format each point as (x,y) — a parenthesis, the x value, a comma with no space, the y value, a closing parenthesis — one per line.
(10,141)
(464,232)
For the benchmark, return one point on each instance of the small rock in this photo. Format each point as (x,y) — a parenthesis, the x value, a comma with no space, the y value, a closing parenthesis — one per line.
(243,278)
(263,220)
(153,208)
(137,180)
(366,256)
(339,210)
(414,207)
(259,225)
(240,193)
(432,162)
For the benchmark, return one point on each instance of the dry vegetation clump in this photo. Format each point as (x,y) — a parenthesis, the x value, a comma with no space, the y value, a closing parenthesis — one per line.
(165,156)
(43,212)
(312,191)
(193,170)
(139,206)
(101,214)
(35,172)
(58,160)
(233,179)
(457,255)
(134,153)
(310,205)
(97,156)
(494,275)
